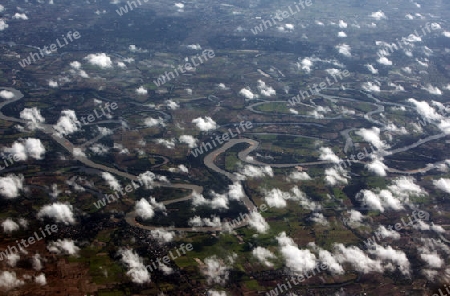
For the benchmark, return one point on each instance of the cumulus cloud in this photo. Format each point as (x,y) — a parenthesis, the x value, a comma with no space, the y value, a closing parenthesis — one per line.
(263,255)
(342,24)
(151,122)
(342,34)
(146,209)
(372,69)
(26,148)
(8,280)
(20,16)
(205,124)
(9,226)
(384,61)
(335,176)
(148,179)
(344,49)
(111,180)
(256,172)
(67,124)
(298,176)
(218,201)
(319,219)
(141,91)
(172,105)
(197,221)
(41,280)
(6,94)
(188,139)
(33,115)
(433,90)
(373,137)
(246,93)
(169,144)
(306,65)
(236,191)
(371,87)
(99,59)
(326,154)
(257,222)
(59,212)
(377,167)
(11,185)
(378,15)
(136,269)
(3,25)
(442,184)
(215,271)
(297,260)
(265,90)
(163,236)
(65,246)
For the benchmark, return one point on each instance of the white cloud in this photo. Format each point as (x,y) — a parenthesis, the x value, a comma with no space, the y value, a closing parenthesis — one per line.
(59,212)
(146,210)
(265,90)
(8,280)
(297,260)
(9,226)
(372,69)
(263,255)
(141,91)
(385,61)
(33,115)
(216,271)
(326,154)
(378,15)
(136,269)
(298,176)
(67,124)
(205,124)
(257,222)
(20,16)
(99,59)
(256,172)
(373,137)
(65,246)
(442,184)
(344,49)
(26,148)
(111,180)
(335,176)
(3,25)
(342,24)
(11,185)
(163,236)
(432,90)
(342,34)
(41,280)
(6,94)
(247,94)
(151,122)
(188,139)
